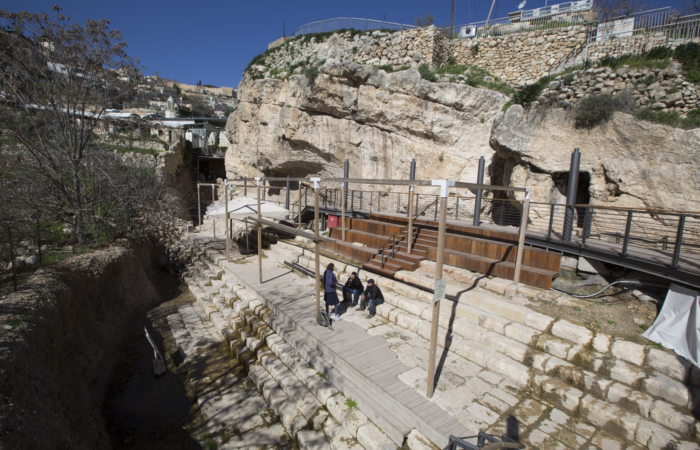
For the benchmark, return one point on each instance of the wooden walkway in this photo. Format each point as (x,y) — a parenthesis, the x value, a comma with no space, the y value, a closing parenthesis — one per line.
(362,366)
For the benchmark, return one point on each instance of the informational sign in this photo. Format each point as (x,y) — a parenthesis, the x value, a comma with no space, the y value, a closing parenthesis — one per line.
(440,289)
(617,29)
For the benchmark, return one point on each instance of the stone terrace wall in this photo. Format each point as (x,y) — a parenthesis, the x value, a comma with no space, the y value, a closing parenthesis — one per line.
(663,90)
(521,59)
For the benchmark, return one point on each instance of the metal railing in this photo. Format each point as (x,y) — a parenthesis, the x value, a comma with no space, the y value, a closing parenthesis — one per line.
(668,237)
(340,23)
(383,247)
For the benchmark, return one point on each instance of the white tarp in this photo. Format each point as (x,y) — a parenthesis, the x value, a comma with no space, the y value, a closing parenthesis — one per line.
(241,208)
(617,29)
(678,324)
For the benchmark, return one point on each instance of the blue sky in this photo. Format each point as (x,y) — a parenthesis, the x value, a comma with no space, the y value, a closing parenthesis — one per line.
(213,41)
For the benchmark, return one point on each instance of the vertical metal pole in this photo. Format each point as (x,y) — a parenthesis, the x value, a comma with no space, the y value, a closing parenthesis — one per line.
(213,195)
(317,255)
(521,238)
(551,219)
(286,203)
(571,195)
(436,208)
(457,208)
(346,174)
(245,186)
(342,208)
(628,228)
(199,207)
(226,218)
(679,241)
(299,216)
(263,189)
(411,176)
(436,306)
(352,200)
(477,202)
(260,255)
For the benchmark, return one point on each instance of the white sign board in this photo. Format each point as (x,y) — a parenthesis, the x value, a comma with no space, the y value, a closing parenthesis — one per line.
(617,29)
(440,289)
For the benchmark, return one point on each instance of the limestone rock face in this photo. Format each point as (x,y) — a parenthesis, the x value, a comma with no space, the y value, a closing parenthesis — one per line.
(378,121)
(631,163)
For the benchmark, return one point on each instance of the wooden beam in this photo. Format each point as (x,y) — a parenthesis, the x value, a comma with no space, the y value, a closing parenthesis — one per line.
(287,229)
(226,219)
(260,255)
(317,256)
(521,239)
(436,305)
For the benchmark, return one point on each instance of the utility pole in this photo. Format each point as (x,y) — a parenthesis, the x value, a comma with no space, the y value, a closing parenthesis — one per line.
(452,18)
(490,11)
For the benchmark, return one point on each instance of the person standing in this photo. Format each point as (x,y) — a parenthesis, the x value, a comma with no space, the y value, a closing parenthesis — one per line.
(373,295)
(330,283)
(353,287)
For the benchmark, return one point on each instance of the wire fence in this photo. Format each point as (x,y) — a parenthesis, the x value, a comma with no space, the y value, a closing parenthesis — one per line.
(346,23)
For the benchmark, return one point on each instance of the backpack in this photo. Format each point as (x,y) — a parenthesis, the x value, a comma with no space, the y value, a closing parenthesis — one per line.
(323,320)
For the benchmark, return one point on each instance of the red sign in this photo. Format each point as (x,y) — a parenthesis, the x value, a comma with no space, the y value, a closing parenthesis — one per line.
(332,221)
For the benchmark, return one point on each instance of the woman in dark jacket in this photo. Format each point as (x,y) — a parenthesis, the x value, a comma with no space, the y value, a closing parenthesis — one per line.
(330,283)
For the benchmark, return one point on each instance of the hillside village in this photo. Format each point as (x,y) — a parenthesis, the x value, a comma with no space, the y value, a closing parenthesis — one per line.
(387,236)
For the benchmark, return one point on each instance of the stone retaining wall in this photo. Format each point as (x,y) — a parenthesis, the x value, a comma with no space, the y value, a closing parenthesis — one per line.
(662,90)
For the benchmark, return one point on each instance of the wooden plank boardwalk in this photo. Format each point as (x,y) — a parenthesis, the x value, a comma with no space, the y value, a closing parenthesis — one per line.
(361,365)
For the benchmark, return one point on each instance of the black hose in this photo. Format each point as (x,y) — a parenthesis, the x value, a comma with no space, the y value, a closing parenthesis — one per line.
(636,283)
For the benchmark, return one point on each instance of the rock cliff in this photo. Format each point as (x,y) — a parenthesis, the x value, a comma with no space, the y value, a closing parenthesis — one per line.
(628,162)
(379,121)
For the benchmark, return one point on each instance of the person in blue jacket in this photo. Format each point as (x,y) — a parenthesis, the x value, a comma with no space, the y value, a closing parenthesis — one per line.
(330,283)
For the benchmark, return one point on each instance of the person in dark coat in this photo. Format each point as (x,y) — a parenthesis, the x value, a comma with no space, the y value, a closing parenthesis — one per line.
(353,287)
(330,282)
(373,295)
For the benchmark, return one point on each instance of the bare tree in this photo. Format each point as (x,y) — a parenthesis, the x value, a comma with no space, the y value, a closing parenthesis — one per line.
(58,80)
(425,21)
(610,9)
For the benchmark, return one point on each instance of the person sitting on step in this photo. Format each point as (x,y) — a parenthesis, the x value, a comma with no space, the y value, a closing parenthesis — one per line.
(353,287)
(373,295)
(330,282)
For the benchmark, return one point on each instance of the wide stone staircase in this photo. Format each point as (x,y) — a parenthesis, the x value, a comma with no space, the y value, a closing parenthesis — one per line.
(632,395)
(303,405)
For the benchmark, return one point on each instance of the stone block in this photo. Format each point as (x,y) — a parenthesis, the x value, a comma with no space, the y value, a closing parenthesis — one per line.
(660,385)
(538,321)
(415,440)
(337,407)
(628,398)
(574,333)
(604,414)
(668,416)
(372,438)
(521,333)
(626,373)
(601,343)
(628,351)
(674,366)
(321,388)
(561,394)
(312,440)
(654,436)
(516,372)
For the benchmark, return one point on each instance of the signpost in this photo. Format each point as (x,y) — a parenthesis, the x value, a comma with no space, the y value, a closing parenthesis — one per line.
(440,289)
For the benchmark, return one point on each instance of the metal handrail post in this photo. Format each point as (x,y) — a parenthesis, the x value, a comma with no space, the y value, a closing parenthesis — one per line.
(521,238)
(342,208)
(213,195)
(628,229)
(551,220)
(457,209)
(679,241)
(410,220)
(477,202)
(586,223)
(199,207)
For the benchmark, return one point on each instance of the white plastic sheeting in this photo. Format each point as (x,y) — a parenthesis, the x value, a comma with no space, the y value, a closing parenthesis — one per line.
(241,208)
(678,324)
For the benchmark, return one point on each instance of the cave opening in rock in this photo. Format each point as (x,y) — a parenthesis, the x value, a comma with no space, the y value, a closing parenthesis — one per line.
(583,195)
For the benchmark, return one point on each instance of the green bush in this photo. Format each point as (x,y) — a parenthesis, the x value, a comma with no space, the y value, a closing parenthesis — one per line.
(426,73)
(475,50)
(388,68)
(528,94)
(311,73)
(598,108)
(451,60)
(689,56)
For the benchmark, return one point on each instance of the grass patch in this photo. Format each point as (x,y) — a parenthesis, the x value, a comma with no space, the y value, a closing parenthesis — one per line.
(321,375)
(595,325)
(670,118)
(644,327)
(611,322)
(350,403)
(476,77)
(656,344)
